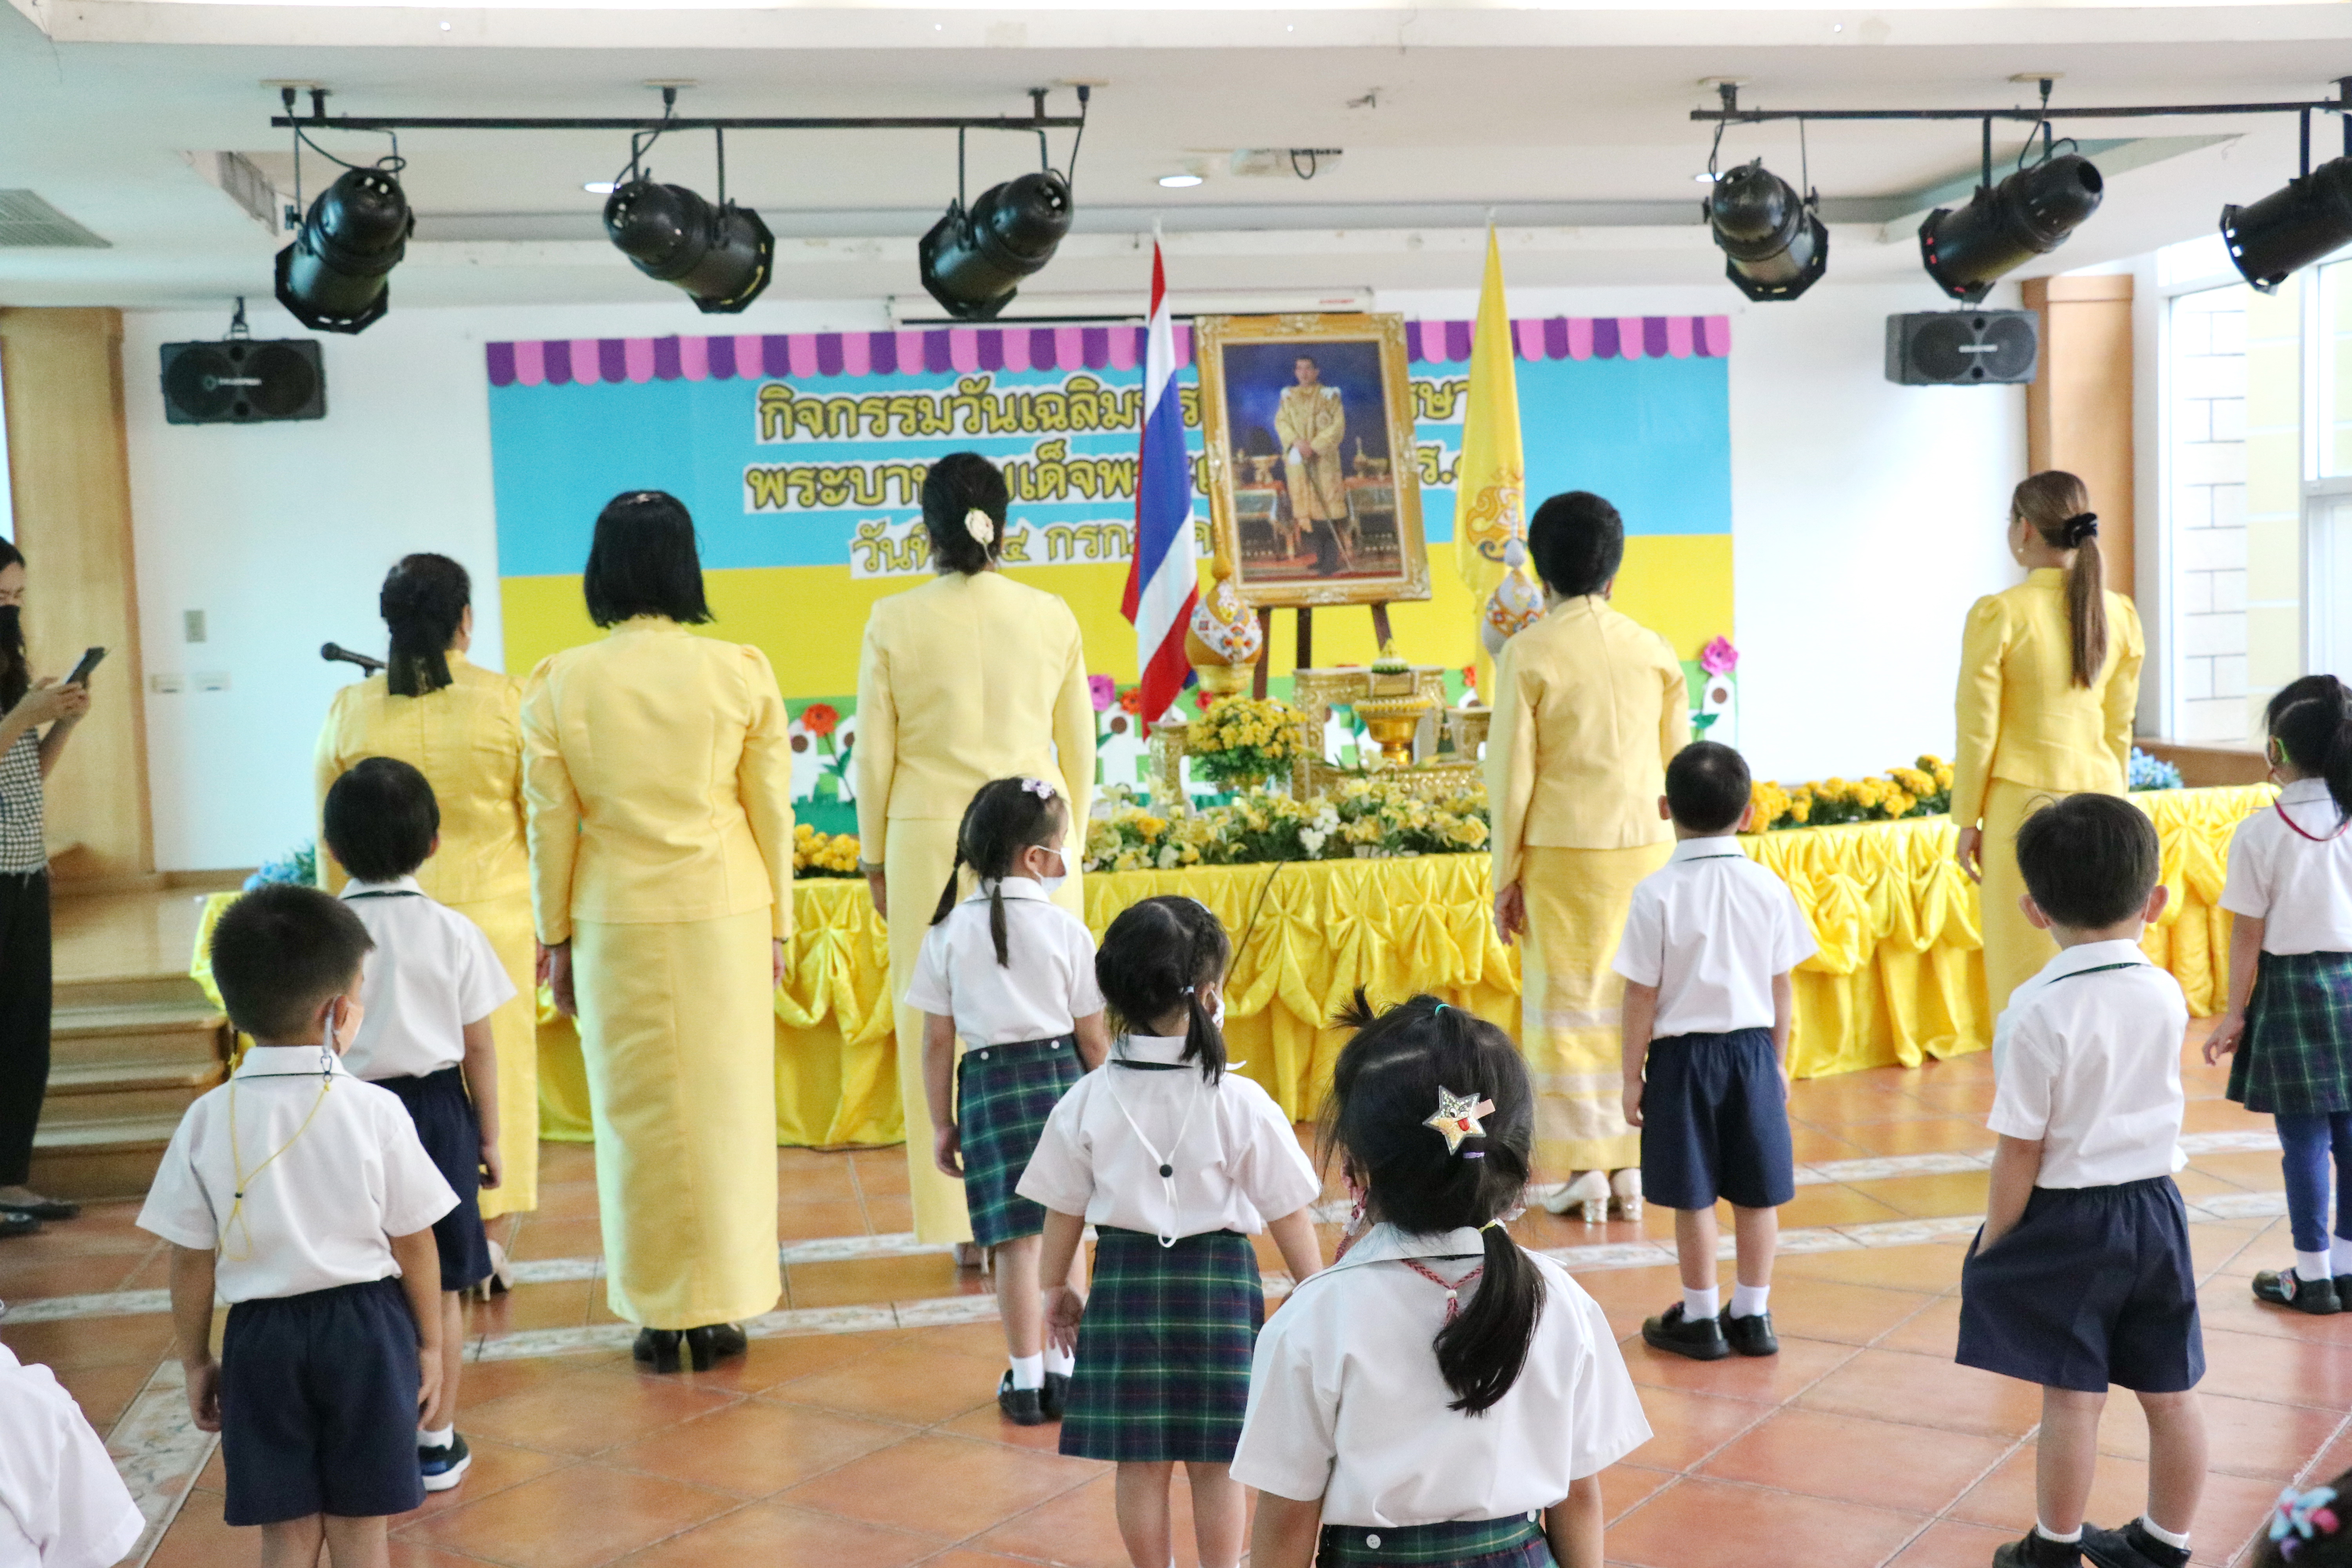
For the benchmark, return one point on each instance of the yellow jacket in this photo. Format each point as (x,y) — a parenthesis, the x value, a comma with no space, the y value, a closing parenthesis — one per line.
(962,680)
(657,769)
(466,739)
(2021,717)
(1589,706)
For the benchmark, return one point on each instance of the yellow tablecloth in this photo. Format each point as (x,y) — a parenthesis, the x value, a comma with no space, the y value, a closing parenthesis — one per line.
(1897,979)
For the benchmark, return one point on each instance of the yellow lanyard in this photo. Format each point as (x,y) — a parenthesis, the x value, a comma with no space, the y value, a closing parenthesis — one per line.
(245,1179)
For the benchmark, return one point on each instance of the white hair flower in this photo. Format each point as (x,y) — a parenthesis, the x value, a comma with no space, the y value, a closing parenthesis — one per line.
(981,526)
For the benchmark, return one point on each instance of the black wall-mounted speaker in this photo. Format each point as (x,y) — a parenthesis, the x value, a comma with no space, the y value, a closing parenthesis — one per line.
(238,381)
(1963,348)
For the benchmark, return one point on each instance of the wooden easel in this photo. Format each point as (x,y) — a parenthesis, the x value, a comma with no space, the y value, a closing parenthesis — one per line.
(1305,658)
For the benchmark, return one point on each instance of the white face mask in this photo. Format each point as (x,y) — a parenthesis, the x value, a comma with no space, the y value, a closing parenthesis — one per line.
(1052,884)
(1217,1012)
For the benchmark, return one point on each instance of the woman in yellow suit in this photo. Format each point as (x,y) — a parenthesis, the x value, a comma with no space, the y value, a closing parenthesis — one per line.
(2049,677)
(970,678)
(461,727)
(1589,706)
(657,769)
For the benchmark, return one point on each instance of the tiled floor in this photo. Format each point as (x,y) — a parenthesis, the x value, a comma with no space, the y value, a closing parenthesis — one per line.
(1862,1444)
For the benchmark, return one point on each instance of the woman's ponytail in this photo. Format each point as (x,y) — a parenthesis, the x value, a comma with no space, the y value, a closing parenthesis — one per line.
(1483,1350)
(423,603)
(2311,719)
(2058,508)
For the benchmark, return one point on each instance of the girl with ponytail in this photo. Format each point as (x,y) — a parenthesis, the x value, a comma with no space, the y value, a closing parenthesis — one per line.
(2049,678)
(2289,1018)
(1006,977)
(1437,1395)
(1176,1162)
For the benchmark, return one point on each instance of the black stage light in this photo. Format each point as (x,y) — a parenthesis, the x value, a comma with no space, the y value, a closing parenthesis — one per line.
(1774,243)
(2292,228)
(723,256)
(332,276)
(2030,213)
(973,264)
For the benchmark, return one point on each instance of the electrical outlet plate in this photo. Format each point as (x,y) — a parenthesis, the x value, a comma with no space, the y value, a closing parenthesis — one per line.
(165,685)
(212,680)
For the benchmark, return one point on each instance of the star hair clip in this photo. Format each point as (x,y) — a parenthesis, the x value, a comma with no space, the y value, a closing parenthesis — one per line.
(2301,1516)
(1457,1120)
(981,526)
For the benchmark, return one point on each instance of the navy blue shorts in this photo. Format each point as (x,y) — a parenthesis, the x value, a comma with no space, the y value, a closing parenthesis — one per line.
(2093,1287)
(1715,1122)
(452,1136)
(317,1401)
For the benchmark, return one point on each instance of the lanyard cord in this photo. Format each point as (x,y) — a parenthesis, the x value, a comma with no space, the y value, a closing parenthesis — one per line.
(1453,1290)
(246,1179)
(1165,1162)
(2301,831)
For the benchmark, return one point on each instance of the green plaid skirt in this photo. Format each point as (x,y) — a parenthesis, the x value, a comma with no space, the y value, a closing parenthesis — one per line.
(1003,1095)
(1514,1542)
(1163,1361)
(2296,1056)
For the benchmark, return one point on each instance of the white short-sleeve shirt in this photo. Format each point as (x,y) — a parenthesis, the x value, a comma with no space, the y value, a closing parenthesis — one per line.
(1046,987)
(1710,928)
(1346,1404)
(62,1505)
(2086,1059)
(431,972)
(1235,1160)
(2299,887)
(331,1170)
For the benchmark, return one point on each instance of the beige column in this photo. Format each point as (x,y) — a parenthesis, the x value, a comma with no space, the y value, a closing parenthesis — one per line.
(2078,409)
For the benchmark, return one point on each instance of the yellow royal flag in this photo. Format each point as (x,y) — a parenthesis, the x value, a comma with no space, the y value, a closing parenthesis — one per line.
(1490,481)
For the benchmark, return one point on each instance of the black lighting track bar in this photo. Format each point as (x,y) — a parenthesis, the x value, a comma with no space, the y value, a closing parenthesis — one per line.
(1731,113)
(1036,120)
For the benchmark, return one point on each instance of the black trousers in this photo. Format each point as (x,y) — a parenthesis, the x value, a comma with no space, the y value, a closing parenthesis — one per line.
(23,1018)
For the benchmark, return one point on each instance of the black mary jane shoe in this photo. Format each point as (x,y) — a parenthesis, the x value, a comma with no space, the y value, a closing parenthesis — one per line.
(2130,1547)
(1021,1406)
(1055,1397)
(669,1349)
(2285,1288)
(15,1222)
(1700,1340)
(42,1209)
(2037,1551)
(1750,1335)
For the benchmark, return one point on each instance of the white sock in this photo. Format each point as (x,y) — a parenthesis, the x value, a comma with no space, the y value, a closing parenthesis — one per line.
(2070,1538)
(435,1439)
(1748,1300)
(1029,1372)
(2312,1267)
(2178,1543)
(2339,1255)
(1700,1305)
(1058,1362)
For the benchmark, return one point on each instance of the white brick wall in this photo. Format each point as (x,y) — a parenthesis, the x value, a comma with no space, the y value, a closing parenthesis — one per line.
(2208,513)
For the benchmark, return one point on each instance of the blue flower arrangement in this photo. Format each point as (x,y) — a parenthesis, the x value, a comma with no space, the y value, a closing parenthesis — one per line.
(300,864)
(2150,773)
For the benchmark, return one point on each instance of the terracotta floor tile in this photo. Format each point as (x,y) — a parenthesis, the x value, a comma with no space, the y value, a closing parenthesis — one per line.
(1931,1269)
(582,1236)
(2227,1513)
(407,1553)
(1714,1524)
(561,1304)
(1969,1097)
(1629,1295)
(83,1238)
(601,1409)
(1813,1146)
(1930,1197)
(962,1558)
(1949,1544)
(948,1487)
(2225,1116)
(1768,1380)
(1926,1135)
(1080,1528)
(2231,1514)
(200,1539)
(1833,1310)
(774,1535)
(989,1426)
(881,1172)
(2269,1246)
(153,1273)
(2227,1301)
(1848,1096)
(1625,1487)
(2213,1248)
(1858,1460)
(572,1518)
(566,1161)
(26,1280)
(497,1467)
(70,1344)
(1832,1203)
(488,1380)
(767,1363)
(861,1281)
(2244,1436)
(2279,1371)
(755,1447)
(800,1219)
(104,1393)
(905,1384)
(1933,1331)
(827,1178)
(889,1214)
(1685,1428)
(1916,1390)
(214,1476)
(562,1200)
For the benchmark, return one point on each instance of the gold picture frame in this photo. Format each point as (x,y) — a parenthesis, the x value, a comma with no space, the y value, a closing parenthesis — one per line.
(1312,503)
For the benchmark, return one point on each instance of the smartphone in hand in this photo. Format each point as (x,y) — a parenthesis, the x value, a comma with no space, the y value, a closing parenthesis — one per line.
(91,658)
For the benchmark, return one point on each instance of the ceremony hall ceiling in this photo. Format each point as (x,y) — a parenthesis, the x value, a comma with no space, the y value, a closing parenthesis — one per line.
(1569,123)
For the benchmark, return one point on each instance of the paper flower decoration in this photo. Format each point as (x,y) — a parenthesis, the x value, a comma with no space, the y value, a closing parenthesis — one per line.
(820,717)
(1104,691)
(1719,658)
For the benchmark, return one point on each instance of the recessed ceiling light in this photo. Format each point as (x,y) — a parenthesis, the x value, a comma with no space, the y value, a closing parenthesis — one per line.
(600,187)
(1180,182)
(1703,178)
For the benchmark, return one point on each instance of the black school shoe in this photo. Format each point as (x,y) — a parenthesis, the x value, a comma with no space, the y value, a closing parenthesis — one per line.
(2131,1547)
(1702,1341)
(2282,1288)
(1750,1335)
(2037,1551)
(1021,1406)
(15,1222)
(1055,1397)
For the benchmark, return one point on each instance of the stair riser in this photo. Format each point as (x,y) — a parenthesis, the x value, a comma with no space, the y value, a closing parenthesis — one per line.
(164,990)
(190,1045)
(87,1174)
(61,1111)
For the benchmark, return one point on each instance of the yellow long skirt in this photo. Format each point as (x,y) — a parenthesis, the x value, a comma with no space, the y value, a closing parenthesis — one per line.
(678,1033)
(514,1028)
(2014,949)
(1572,1003)
(916,861)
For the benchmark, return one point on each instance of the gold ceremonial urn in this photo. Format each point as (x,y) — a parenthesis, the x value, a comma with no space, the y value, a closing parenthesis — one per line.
(1393,721)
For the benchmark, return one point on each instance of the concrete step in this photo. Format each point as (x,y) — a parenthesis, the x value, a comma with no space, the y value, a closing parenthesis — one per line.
(128,1056)
(109,1158)
(136,991)
(104,1101)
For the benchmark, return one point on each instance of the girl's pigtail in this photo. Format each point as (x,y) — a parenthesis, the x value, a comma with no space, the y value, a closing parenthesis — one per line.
(996,923)
(1204,1043)
(955,882)
(1482,1352)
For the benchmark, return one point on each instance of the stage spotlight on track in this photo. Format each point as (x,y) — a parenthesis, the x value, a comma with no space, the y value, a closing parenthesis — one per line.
(332,277)
(2291,227)
(723,256)
(2030,213)
(973,263)
(1774,243)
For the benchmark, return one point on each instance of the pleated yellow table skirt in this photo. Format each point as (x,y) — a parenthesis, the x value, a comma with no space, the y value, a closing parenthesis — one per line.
(1899,977)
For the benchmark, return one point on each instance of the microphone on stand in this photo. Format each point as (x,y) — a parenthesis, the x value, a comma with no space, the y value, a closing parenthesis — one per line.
(334,653)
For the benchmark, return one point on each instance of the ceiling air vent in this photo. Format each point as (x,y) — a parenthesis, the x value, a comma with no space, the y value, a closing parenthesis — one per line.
(27,220)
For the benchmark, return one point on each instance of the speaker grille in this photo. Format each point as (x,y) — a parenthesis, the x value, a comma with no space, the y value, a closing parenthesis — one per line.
(1937,349)
(2010,339)
(1962,348)
(242,381)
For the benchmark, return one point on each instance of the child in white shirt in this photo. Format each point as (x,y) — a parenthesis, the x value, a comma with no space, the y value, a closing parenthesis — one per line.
(62,1503)
(1007,977)
(432,981)
(1437,1396)
(1177,1162)
(302,1196)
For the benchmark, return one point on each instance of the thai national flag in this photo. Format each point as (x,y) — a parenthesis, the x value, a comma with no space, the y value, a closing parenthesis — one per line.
(1163,585)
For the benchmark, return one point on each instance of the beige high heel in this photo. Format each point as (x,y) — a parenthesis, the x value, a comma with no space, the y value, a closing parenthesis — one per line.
(1625,1193)
(1588,1190)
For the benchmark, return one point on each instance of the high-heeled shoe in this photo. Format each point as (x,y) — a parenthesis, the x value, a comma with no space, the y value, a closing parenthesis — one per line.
(501,1279)
(1588,1190)
(666,1350)
(1625,1193)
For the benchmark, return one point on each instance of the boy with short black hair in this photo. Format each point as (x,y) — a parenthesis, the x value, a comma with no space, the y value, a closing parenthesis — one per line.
(301,1196)
(1708,945)
(433,981)
(2081,1277)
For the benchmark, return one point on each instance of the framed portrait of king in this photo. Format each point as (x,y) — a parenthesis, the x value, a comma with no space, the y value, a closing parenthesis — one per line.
(1314,483)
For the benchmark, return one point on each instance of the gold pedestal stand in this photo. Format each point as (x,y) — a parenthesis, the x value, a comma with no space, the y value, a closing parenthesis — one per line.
(1416,696)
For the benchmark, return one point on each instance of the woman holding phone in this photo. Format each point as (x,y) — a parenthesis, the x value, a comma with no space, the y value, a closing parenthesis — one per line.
(27,752)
